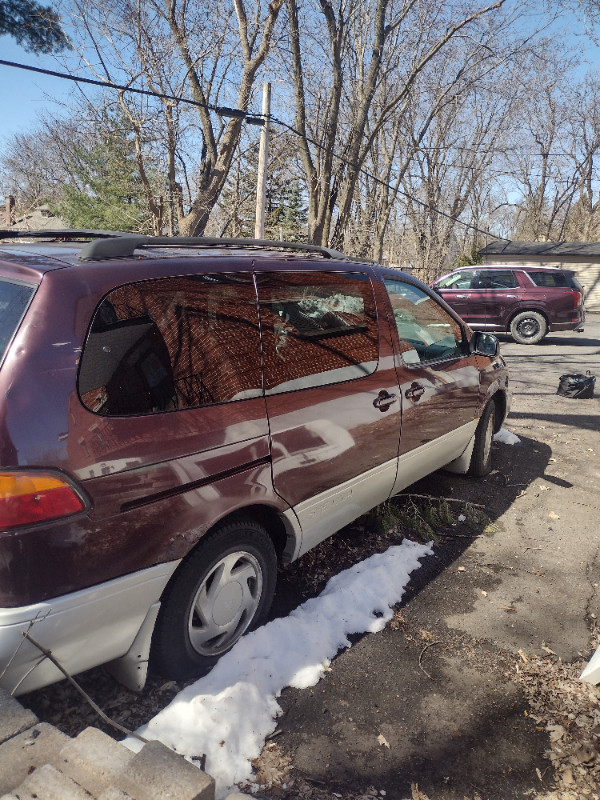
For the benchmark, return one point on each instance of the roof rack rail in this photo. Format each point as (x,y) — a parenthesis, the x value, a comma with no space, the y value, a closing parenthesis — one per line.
(126,244)
(52,233)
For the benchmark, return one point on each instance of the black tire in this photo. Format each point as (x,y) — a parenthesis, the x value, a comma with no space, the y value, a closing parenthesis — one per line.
(528,327)
(222,589)
(481,458)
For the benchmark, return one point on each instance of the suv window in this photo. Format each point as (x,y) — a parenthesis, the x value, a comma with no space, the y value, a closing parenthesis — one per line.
(495,279)
(318,328)
(550,278)
(14,299)
(172,343)
(480,279)
(427,332)
(458,280)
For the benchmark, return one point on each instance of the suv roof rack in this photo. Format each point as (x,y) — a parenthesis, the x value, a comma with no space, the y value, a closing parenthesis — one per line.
(121,246)
(58,233)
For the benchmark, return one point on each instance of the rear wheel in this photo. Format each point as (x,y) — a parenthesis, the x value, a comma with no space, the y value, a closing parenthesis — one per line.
(481,459)
(528,327)
(221,590)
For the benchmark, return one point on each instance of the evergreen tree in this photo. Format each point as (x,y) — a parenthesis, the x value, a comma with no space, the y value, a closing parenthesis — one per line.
(107,193)
(287,212)
(36,28)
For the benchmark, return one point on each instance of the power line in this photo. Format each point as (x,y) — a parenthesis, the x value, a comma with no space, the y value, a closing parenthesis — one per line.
(251,118)
(222,110)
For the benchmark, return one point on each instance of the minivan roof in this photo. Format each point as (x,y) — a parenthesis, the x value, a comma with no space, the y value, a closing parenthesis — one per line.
(73,246)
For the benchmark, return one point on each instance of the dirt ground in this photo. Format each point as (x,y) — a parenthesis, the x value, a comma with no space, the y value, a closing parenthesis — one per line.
(472,690)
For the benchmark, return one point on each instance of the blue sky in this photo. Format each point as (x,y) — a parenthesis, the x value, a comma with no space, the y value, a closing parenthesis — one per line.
(24,94)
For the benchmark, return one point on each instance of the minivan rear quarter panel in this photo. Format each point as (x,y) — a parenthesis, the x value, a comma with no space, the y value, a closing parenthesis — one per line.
(154,482)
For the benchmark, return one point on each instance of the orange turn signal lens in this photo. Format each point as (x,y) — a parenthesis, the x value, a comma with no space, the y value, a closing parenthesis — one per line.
(29,497)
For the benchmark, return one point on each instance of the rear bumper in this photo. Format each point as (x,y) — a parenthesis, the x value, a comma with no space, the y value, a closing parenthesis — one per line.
(567,326)
(82,629)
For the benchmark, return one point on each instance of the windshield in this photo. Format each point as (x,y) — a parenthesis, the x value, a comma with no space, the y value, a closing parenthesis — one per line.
(14,299)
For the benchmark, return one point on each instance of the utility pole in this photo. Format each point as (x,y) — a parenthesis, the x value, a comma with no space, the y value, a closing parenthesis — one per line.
(261,186)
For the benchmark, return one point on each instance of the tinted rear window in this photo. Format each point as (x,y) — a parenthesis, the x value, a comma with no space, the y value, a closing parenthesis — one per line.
(173,343)
(552,279)
(14,299)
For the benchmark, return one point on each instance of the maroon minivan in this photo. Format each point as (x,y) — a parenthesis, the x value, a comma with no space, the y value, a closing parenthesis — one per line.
(526,302)
(178,415)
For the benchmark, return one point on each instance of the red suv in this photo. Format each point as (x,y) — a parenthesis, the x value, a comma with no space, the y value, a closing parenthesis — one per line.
(526,302)
(178,415)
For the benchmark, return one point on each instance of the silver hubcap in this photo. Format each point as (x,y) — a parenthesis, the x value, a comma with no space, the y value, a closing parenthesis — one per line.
(225,603)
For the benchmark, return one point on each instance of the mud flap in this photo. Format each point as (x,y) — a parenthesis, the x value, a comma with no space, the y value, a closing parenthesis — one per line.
(132,669)
(463,462)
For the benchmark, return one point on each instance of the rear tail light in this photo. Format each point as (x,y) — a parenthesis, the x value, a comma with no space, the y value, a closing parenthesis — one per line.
(29,497)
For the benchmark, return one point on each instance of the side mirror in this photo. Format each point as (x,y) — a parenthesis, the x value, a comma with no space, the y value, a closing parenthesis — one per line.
(485,344)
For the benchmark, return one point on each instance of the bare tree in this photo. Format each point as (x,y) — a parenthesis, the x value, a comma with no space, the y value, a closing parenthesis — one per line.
(437,159)
(447,169)
(209,54)
(555,157)
(582,222)
(36,165)
(366,41)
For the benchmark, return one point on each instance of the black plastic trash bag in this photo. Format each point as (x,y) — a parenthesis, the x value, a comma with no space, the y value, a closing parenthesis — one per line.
(578,385)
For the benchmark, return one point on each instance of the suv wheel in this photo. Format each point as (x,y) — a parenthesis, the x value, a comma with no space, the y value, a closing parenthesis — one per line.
(223,589)
(528,327)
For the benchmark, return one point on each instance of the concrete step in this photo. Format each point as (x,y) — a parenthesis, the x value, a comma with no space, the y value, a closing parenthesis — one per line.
(39,762)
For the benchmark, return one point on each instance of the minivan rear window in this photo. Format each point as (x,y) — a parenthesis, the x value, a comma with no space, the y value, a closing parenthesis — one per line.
(173,343)
(14,299)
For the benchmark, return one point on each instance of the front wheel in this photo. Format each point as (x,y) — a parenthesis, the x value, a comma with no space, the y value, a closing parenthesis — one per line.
(481,458)
(528,327)
(221,590)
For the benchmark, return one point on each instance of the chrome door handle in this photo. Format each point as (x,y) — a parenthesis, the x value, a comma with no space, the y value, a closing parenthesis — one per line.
(384,400)
(461,296)
(415,392)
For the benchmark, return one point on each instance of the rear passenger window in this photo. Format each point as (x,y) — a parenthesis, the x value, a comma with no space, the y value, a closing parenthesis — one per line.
(549,278)
(495,279)
(318,328)
(172,343)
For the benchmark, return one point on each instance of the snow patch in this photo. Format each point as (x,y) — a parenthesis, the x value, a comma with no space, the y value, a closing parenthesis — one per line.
(227,714)
(506,437)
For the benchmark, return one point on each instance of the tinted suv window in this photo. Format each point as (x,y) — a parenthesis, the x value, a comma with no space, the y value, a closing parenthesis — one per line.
(550,278)
(495,279)
(172,343)
(426,331)
(14,299)
(318,328)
